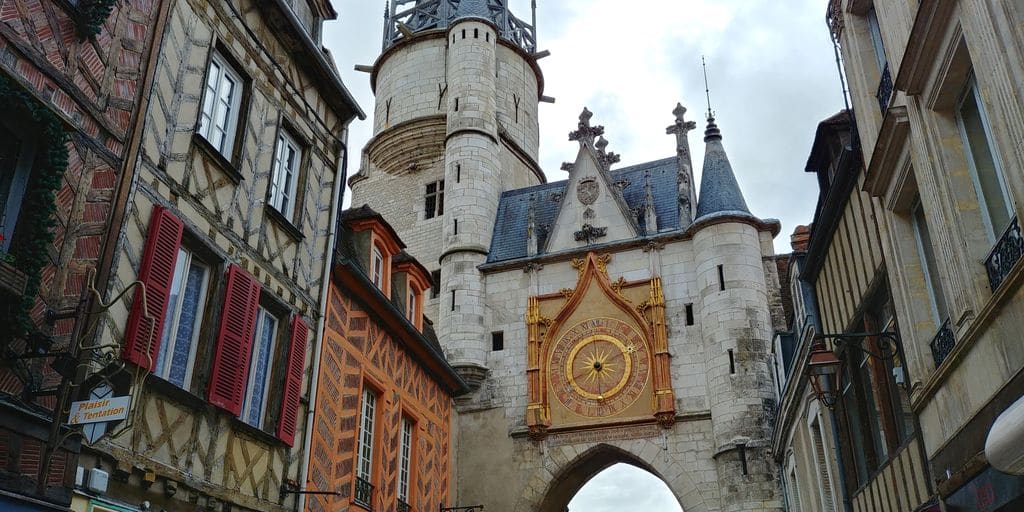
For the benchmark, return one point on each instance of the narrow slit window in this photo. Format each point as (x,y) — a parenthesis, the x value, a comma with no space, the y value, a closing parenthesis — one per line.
(456,104)
(435,291)
(458,173)
(689,314)
(721,278)
(456,226)
(476,33)
(498,341)
(732,363)
(453,300)
(463,33)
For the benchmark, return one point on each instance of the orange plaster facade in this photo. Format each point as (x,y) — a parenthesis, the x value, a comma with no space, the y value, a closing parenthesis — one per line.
(360,350)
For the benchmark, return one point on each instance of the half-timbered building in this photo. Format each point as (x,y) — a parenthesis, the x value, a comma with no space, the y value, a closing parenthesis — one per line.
(938,88)
(221,260)
(73,82)
(846,434)
(384,401)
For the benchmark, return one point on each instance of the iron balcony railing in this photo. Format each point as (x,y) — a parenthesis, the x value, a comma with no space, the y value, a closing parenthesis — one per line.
(402,506)
(1007,251)
(884,89)
(943,342)
(364,493)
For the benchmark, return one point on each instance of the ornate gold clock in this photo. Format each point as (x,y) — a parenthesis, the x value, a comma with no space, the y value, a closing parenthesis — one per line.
(599,367)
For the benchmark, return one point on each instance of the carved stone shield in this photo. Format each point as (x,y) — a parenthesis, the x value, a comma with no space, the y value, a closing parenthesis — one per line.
(587,190)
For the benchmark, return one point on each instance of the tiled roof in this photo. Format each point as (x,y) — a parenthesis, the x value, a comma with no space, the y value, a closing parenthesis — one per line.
(509,239)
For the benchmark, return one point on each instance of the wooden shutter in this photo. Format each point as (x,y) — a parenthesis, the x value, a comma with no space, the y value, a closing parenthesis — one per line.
(142,335)
(293,381)
(234,341)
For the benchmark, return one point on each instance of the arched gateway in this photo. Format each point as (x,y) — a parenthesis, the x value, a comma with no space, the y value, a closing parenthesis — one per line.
(611,317)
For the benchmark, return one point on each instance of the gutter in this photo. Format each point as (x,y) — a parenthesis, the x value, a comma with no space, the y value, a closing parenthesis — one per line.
(325,288)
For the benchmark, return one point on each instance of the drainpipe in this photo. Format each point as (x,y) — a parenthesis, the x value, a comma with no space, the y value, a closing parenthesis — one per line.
(847,504)
(325,288)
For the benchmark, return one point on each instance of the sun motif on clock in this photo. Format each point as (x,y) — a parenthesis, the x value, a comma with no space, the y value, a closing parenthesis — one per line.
(599,367)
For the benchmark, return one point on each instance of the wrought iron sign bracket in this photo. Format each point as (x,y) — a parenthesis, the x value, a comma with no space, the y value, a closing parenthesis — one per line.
(888,343)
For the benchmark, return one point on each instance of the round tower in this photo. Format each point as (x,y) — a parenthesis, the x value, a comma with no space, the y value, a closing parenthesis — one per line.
(736,331)
(457,91)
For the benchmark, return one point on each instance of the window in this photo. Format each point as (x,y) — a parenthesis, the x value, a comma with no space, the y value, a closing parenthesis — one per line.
(264,342)
(435,276)
(433,203)
(929,264)
(986,171)
(405,462)
(183,320)
(377,270)
(824,471)
(364,456)
(285,175)
(222,100)
(15,166)
(876,39)
(410,310)
(498,341)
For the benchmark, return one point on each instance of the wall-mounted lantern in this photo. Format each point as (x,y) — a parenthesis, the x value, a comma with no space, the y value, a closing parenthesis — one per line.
(823,369)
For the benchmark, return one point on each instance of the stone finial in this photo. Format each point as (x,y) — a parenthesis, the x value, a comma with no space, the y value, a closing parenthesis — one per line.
(585,133)
(712,132)
(681,127)
(606,158)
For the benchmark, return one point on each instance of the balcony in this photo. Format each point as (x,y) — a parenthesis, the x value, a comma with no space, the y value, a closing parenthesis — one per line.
(364,493)
(942,344)
(884,89)
(1004,255)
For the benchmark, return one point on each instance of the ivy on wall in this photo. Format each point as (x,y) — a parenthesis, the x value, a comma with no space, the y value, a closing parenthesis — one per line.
(91,15)
(29,250)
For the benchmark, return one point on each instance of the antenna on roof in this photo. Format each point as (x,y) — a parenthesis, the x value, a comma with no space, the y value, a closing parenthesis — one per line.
(707,90)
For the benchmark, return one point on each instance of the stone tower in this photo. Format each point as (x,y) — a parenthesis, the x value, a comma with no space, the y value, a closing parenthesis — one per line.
(457,90)
(615,316)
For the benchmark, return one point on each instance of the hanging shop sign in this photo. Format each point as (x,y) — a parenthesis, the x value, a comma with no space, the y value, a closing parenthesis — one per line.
(102,409)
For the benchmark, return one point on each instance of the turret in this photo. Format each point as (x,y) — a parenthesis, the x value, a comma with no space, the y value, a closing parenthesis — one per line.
(735,327)
(457,88)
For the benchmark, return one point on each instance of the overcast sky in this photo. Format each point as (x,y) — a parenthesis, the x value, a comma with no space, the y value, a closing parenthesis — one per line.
(772,75)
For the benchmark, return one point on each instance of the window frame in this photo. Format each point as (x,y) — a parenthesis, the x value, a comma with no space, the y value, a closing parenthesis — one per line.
(226,66)
(365,466)
(971,90)
(378,266)
(262,313)
(275,197)
(406,456)
(164,365)
(433,201)
(931,275)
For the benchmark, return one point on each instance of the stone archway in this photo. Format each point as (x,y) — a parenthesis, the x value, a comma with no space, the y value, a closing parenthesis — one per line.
(553,486)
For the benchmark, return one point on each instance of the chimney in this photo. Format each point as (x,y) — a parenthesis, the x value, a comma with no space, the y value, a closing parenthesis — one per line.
(800,238)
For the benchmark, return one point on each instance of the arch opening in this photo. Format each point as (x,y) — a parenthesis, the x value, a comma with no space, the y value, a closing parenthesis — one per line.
(606,479)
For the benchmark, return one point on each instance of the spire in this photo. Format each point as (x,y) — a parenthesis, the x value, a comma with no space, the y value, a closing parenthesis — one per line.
(719,191)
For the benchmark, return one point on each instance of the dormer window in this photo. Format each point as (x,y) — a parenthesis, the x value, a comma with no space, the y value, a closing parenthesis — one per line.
(412,304)
(377,268)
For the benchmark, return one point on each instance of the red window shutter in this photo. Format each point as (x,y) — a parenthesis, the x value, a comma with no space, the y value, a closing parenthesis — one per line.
(293,381)
(142,335)
(234,341)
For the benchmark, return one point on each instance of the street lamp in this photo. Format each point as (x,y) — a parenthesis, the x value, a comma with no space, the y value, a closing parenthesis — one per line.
(823,370)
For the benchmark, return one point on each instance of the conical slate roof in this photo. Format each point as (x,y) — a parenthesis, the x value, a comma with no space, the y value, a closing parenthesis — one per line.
(719,191)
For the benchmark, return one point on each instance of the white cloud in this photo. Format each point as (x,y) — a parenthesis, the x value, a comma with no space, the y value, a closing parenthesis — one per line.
(624,487)
(771,66)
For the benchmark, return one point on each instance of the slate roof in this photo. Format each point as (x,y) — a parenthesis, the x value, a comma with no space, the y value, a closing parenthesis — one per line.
(719,191)
(509,238)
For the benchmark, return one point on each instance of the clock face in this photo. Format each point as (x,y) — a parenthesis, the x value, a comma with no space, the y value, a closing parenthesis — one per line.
(599,367)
